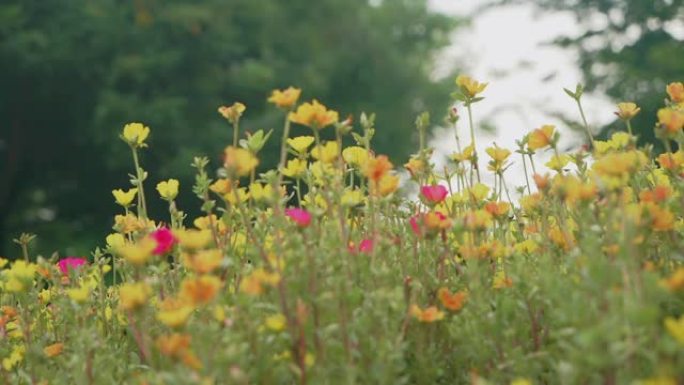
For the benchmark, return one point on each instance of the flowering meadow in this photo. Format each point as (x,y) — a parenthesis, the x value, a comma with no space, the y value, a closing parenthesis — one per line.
(327,269)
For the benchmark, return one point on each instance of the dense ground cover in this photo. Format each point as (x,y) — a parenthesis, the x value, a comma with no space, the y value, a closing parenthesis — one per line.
(322,271)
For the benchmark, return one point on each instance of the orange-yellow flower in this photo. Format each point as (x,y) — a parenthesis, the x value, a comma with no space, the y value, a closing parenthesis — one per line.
(53,350)
(200,290)
(386,185)
(238,161)
(676,92)
(314,115)
(174,312)
(204,261)
(453,302)
(430,314)
(285,98)
(232,113)
(671,120)
(541,137)
(377,167)
(627,110)
(675,282)
(671,161)
(133,295)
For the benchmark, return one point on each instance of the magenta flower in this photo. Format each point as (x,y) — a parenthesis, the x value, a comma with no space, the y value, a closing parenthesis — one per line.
(165,241)
(300,216)
(366,246)
(434,194)
(415,226)
(70,263)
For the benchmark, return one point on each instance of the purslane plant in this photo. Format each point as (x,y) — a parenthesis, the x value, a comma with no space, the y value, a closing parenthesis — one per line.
(322,271)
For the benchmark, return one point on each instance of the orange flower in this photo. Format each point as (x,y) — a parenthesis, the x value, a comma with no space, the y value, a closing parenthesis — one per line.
(200,290)
(53,350)
(540,137)
(453,302)
(661,219)
(676,92)
(314,115)
(671,161)
(675,282)
(377,167)
(430,314)
(498,209)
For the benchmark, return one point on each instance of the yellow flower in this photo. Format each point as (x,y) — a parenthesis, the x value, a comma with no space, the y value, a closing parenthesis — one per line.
(276,322)
(285,98)
(499,156)
(540,137)
(469,86)
(193,239)
(232,113)
(135,134)
(675,327)
(200,290)
(295,168)
(355,156)
(352,197)
(239,162)
(326,153)
(79,294)
(478,192)
(124,198)
(301,143)
(466,154)
(137,253)
(222,186)
(314,115)
(661,380)
(133,295)
(386,185)
(130,223)
(557,162)
(430,314)
(53,350)
(173,312)
(204,261)
(15,357)
(671,161)
(242,196)
(521,381)
(671,120)
(676,92)
(627,110)
(20,276)
(115,240)
(168,190)
(415,166)
(252,284)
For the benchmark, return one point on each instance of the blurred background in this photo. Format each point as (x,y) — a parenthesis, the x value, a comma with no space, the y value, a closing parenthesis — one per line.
(73,72)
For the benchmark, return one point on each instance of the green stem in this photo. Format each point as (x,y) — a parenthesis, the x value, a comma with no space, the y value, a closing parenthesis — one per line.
(586,125)
(472,141)
(236,133)
(142,206)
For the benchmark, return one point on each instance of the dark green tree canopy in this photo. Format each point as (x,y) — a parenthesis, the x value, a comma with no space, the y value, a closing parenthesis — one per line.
(73,73)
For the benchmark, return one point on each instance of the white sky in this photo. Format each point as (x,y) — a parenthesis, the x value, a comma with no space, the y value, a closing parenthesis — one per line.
(505,47)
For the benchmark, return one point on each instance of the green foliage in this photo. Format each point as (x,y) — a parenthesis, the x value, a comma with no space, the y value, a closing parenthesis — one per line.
(72,73)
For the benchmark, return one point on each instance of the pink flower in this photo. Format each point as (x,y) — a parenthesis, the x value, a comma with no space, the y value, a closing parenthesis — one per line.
(300,216)
(366,246)
(70,263)
(434,194)
(415,226)
(165,241)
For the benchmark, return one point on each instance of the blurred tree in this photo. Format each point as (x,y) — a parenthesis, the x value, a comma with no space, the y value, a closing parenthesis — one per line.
(73,73)
(628,49)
